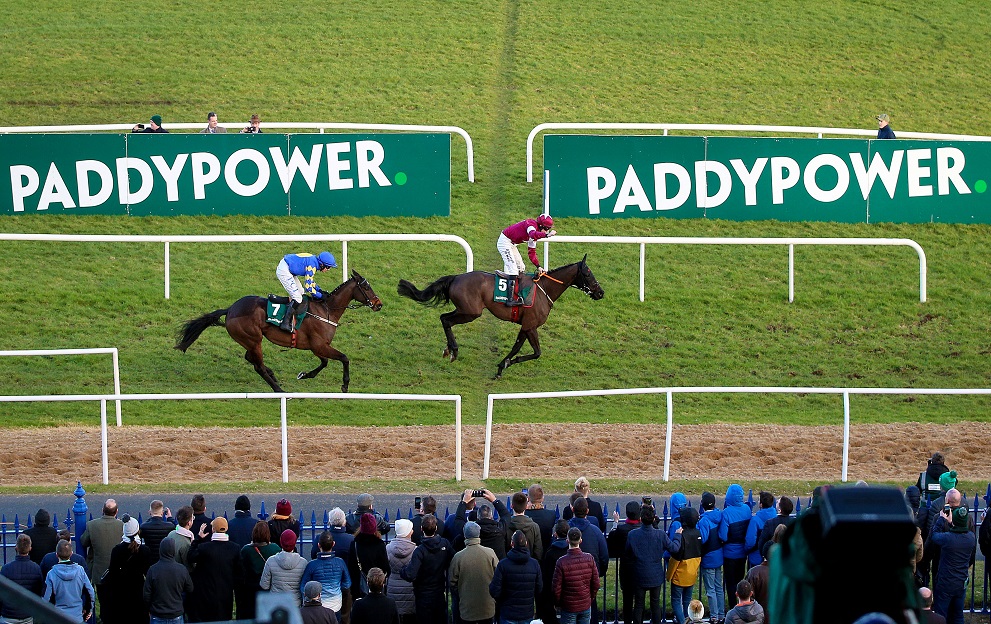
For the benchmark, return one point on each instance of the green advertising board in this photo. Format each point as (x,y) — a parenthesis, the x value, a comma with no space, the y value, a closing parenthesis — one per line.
(789,179)
(253,174)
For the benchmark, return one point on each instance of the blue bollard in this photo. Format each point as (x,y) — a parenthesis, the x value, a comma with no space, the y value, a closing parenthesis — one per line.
(79,512)
(261,513)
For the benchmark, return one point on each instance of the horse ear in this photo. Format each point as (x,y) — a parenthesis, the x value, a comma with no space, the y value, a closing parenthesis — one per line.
(584,258)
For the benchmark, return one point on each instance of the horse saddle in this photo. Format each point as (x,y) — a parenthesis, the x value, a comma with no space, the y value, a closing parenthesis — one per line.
(508,287)
(277,307)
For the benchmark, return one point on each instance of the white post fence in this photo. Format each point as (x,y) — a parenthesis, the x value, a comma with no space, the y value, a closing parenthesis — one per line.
(667,127)
(46,352)
(248,238)
(643,241)
(275,125)
(283,399)
(670,392)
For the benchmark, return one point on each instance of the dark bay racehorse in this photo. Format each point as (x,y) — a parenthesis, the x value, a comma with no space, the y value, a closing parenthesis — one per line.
(246,325)
(471,293)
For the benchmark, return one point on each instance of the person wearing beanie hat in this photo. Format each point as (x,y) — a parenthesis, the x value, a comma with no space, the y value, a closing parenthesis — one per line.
(367,552)
(957,547)
(471,571)
(948,480)
(216,569)
(284,571)
(311,592)
(154,126)
(242,524)
(283,519)
(616,541)
(711,566)
(44,538)
(121,589)
(399,552)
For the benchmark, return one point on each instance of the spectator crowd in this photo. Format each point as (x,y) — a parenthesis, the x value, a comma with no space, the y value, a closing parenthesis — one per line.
(484,563)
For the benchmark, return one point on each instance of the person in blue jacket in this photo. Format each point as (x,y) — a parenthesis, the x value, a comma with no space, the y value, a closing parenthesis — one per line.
(711,567)
(301,266)
(757,522)
(733,533)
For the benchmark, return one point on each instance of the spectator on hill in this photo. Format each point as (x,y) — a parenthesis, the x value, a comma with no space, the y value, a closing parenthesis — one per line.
(216,572)
(284,570)
(313,611)
(26,573)
(683,567)
(766,513)
(367,551)
(283,520)
(558,548)
(517,582)
(48,561)
(645,548)
(253,557)
(616,540)
(733,533)
(375,608)
(470,574)
(332,574)
(399,551)
(427,570)
(519,521)
(157,527)
(784,507)
(884,130)
(44,538)
(454,525)
(100,537)
(365,500)
(575,582)
(428,506)
(928,615)
(211,125)
(154,126)
(254,125)
(545,518)
(201,524)
(746,610)
(183,535)
(122,593)
(956,542)
(242,525)
(711,565)
(165,584)
(67,587)
(593,542)
(583,487)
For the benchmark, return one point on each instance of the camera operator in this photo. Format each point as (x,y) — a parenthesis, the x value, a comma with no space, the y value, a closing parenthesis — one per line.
(254,126)
(154,126)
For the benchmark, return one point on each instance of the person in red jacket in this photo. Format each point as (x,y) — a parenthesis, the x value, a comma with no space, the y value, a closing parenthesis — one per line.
(576,582)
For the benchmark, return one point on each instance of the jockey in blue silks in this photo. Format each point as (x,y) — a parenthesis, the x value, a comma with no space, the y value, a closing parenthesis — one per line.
(294,268)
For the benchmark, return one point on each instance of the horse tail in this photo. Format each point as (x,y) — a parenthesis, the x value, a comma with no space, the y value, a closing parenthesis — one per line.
(192,329)
(435,294)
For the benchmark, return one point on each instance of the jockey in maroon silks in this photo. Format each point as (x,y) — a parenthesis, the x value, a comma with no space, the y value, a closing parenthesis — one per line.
(528,231)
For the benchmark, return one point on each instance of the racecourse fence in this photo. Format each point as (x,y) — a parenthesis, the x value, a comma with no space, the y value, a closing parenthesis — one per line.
(252,238)
(610,596)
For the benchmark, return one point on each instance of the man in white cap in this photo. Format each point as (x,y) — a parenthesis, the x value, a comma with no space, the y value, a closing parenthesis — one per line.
(884,130)
(400,550)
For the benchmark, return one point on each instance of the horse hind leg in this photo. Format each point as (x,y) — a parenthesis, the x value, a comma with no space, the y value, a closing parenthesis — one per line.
(254,357)
(447,321)
(327,352)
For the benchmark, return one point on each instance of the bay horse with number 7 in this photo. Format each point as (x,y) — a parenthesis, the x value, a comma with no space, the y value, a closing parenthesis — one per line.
(472,293)
(246,324)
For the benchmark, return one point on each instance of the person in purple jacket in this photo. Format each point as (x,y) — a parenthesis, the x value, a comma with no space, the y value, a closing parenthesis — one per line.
(528,231)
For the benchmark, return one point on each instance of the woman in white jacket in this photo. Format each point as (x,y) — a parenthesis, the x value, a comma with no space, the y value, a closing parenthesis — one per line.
(283,571)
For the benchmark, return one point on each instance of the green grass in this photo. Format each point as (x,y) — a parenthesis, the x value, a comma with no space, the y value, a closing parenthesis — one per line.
(713,315)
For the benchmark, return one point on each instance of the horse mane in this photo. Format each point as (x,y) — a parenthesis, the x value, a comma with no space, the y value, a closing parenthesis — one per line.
(342,285)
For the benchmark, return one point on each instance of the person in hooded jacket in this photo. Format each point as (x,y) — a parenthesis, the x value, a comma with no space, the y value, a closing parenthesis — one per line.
(757,522)
(427,570)
(558,548)
(928,483)
(711,566)
(283,571)
(216,572)
(68,587)
(733,533)
(746,611)
(44,538)
(645,548)
(678,502)
(253,557)
(519,521)
(517,583)
(399,589)
(683,566)
(124,583)
(165,584)
(367,552)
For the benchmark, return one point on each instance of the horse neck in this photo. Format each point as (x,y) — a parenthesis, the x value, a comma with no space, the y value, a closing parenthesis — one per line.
(566,275)
(339,300)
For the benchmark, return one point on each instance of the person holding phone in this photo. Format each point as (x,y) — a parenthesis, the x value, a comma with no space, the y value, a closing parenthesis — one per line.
(957,549)
(154,126)
(424,506)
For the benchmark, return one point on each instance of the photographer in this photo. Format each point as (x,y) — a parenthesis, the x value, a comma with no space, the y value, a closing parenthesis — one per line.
(952,533)
(154,126)
(254,126)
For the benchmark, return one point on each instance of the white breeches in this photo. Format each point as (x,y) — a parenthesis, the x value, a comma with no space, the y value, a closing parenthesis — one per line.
(289,281)
(512,261)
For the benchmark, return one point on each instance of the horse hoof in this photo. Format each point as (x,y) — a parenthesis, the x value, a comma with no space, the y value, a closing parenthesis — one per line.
(344,388)
(447,353)
(301,375)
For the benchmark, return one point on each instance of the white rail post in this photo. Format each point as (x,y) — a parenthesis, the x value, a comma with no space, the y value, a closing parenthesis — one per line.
(547,253)
(846,436)
(667,437)
(457,439)
(103,441)
(285,443)
(488,440)
(344,261)
(791,272)
(643,261)
(167,270)
(116,382)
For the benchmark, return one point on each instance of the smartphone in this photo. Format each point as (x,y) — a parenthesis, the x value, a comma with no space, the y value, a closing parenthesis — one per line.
(526,492)
(478,493)
(142,126)
(416,502)
(946,509)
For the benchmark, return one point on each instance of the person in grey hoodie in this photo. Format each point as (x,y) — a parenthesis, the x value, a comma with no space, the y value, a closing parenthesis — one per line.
(746,611)
(165,583)
(399,589)
(68,586)
(283,571)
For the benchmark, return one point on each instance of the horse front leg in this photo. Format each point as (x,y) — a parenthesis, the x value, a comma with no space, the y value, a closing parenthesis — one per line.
(327,352)
(313,373)
(254,357)
(509,360)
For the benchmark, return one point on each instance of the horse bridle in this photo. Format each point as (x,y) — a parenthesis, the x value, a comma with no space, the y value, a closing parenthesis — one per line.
(584,272)
(368,300)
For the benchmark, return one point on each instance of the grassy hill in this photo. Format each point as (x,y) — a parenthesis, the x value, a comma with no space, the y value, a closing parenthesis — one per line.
(713,316)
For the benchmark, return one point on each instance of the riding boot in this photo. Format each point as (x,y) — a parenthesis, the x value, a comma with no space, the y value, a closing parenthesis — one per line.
(518,299)
(290,316)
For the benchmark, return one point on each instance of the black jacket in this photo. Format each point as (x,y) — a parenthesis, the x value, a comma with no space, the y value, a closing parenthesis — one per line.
(368,551)
(44,539)
(216,572)
(353,520)
(165,584)
(545,519)
(153,531)
(516,584)
(616,540)
(27,574)
(555,551)
(240,528)
(594,511)
(375,609)
(427,568)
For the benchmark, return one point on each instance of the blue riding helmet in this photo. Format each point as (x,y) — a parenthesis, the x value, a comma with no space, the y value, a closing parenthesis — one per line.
(326,259)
